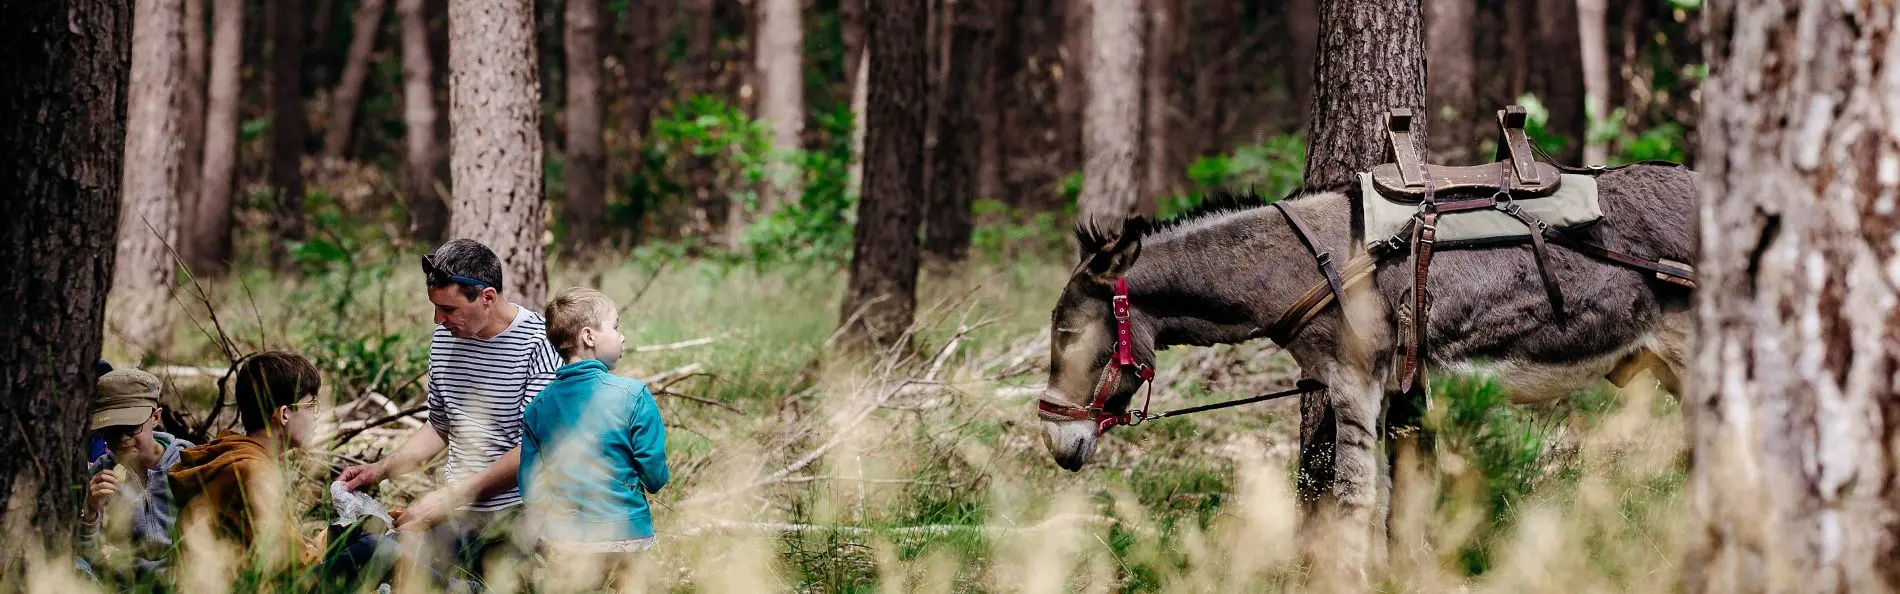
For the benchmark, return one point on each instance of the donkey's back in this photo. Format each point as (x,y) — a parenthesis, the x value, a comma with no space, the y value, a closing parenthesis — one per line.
(1490,314)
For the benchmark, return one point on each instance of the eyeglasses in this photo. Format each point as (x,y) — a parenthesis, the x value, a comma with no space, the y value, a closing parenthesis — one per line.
(429,267)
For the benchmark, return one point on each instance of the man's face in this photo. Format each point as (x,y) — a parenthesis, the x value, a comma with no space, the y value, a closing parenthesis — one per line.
(463,317)
(133,445)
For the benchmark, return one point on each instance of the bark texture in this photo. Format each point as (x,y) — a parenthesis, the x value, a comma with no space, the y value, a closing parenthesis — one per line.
(1371,59)
(148,226)
(586,170)
(288,127)
(1793,410)
(881,295)
(1112,135)
(65,90)
(780,64)
(495,154)
(422,136)
(958,152)
(349,87)
(208,247)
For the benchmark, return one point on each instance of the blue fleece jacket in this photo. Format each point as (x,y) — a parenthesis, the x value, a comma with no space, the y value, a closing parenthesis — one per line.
(592,447)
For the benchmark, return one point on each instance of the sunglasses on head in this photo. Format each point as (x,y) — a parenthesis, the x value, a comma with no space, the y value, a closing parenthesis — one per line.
(429,267)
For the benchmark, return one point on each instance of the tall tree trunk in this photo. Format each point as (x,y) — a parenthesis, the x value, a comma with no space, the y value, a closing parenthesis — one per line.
(958,152)
(1214,74)
(1302,26)
(1112,133)
(989,169)
(208,249)
(851,16)
(191,102)
(645,73)
(860,102)
(1557,73)
(495,143)
(881,295)
(1792,407)
(1457,118)
(65,93)
(699,47)
(1159,178)
(1072,86)
(148,225)
(1596,75)
(287,125)
(586,170)
(1371,59)
(422,138)
(781,71)
(349,88)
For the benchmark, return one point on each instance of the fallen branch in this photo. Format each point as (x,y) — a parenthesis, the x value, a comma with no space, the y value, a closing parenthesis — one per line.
(660,379)
(684,344)
(346,436)
(705,401)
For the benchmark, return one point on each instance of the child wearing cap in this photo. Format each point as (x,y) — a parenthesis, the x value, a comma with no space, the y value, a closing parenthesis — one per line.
(592,443)
(128,490)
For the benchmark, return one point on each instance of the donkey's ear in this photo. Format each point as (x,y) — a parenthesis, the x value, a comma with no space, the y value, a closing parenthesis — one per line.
(1113,261)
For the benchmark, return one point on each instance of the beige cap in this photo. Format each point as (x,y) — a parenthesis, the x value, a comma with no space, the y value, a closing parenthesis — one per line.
(126,397)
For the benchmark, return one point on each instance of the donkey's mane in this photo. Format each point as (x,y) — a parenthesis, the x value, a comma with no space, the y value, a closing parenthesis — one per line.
(1224,200)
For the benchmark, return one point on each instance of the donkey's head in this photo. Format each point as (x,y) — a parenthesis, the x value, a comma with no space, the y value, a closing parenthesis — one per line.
(1084,387)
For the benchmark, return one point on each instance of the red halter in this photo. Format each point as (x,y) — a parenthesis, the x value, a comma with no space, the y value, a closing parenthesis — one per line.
(1111,376)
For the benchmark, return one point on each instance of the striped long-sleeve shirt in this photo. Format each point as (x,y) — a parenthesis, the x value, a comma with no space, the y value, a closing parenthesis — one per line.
(477,390)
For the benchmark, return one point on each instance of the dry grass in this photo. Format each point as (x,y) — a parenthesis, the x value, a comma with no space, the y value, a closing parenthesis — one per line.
(922,471)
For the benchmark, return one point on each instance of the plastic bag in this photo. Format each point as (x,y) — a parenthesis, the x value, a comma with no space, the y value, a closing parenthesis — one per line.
(352,506)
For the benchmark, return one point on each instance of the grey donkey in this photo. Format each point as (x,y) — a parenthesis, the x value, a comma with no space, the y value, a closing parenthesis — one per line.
(1225,275)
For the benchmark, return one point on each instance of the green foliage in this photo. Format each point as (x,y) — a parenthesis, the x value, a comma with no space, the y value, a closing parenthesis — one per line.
(817,226)
(1537,126)
(1272,168)
(1002,230)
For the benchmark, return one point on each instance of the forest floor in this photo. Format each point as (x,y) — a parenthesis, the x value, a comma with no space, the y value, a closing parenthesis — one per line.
(925,471)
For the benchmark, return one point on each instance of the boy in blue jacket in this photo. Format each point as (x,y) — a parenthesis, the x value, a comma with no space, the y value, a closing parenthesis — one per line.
(592,444)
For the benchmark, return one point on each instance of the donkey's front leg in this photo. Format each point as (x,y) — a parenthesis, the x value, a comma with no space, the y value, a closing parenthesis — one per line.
(1336,532)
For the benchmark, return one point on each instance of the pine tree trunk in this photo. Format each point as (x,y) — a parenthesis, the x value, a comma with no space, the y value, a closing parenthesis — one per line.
(1112,136)
(880,297)
(286,23)
(1072,86)
(1371,59)
(645,84)
(586,170)
(1214,75)
(148,226)
(1557,73)
(860,102)
(65,90)
(1596,74)
(1792,409)
(1302,24)
(780,64)
(851,16)
(208,248)
(1456,117)
(495,142)
(422,138)
(989,121)
(1159,65)
(191,123)
(958,152)
(699,47)
(349,88)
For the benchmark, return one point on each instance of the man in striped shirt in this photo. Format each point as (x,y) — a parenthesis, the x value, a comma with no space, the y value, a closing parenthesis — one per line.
(487,359)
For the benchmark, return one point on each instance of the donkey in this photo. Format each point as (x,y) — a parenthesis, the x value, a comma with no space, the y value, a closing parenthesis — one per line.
(1225,275)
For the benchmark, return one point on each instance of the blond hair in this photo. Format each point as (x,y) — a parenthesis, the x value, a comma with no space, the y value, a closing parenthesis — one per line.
(573,309)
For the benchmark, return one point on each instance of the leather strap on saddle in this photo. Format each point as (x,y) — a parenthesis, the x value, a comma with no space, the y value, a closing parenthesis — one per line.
(1424,235)
(1322,257)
